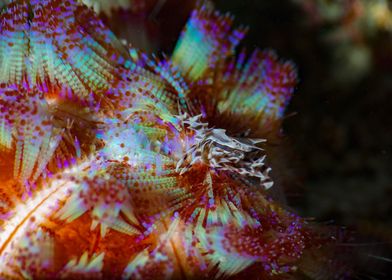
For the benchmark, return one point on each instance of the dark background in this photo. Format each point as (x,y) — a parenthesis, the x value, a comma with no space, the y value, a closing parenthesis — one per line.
(342,129)
(341,133)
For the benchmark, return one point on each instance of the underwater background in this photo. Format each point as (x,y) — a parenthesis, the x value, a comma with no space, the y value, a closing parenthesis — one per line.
(341,129)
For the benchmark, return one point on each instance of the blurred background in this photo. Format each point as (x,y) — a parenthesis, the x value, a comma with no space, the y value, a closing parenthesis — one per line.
(341,129)
(339,124)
